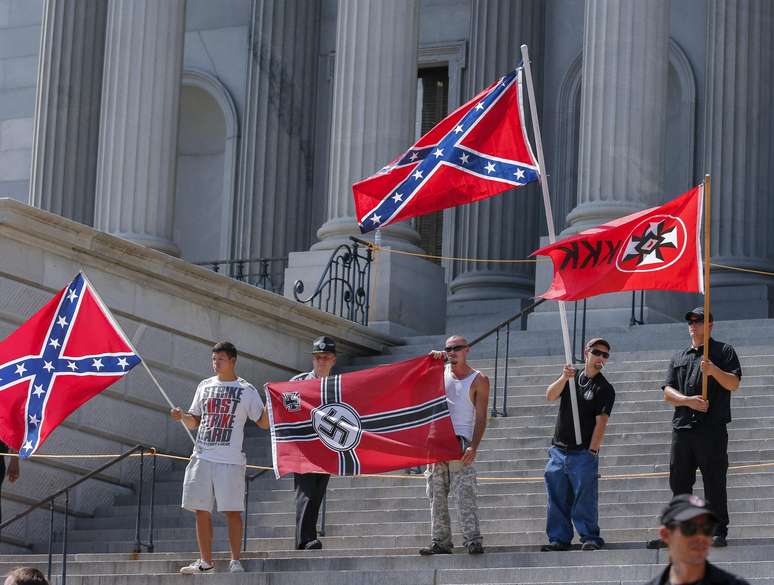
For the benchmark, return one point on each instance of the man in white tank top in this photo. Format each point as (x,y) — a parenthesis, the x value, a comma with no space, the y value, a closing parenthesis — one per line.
(467,394)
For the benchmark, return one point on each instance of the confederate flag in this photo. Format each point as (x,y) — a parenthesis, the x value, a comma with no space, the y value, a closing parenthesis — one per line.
(654,249)
(478,151)
(371,421)
(65,354)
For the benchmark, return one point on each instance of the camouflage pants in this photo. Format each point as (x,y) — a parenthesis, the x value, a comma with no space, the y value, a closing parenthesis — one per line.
(462,484)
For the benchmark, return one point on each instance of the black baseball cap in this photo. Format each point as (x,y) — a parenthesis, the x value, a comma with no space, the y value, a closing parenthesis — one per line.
(594,340)
(324,344)
(685,507)
(697,313)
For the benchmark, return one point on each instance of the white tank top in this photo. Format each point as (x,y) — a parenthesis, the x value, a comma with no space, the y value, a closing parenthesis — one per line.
(461,409)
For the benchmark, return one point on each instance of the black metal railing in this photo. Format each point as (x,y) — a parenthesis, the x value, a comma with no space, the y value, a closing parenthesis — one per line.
(344,289)
(633,320)
(65,491)
(504,330)
(265,273)
(248,480)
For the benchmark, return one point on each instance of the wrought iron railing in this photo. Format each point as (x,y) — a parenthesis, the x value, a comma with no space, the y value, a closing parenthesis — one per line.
(265,273)
(344,289)
(504,329)
(65,491)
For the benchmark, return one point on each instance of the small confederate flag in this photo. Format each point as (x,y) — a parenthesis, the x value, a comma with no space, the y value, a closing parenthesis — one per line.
(654,249)
(478,151)
(371,421)
(65,354)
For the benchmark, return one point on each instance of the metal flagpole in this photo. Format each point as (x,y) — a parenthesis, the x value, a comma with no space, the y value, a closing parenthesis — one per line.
(551,233)
(115,324)
(706,279)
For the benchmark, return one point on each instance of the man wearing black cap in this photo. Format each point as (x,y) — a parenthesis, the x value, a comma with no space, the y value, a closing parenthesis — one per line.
(571,474)
(310,487)
(687,525)
(699,435)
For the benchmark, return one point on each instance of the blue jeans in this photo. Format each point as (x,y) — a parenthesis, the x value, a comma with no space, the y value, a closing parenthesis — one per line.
(573,496)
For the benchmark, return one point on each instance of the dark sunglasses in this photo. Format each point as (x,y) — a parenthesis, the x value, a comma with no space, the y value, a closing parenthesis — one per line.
(604,354)
(452,348)
(695,321)
(689,528)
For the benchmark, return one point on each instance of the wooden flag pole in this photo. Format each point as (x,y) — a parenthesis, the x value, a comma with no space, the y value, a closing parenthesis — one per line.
(707,210)
(551,233)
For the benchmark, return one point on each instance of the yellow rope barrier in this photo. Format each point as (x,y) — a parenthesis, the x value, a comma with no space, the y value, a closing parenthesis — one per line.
(153,451)
(376,248)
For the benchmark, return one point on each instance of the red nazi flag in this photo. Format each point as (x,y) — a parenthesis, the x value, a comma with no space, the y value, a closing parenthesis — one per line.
(654,249)
(372,421)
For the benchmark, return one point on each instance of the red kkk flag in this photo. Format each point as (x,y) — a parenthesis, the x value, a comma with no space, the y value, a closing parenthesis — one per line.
(65,354)
(375,420)
(478,151)
(654,249)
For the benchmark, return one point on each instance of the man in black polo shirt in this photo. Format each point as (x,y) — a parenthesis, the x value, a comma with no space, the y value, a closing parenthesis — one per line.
(687,525)
(571,473)
(699,435)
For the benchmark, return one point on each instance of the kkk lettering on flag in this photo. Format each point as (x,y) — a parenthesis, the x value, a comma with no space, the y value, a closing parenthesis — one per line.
(654,249)
(375,420)
(478,151)
(65,354)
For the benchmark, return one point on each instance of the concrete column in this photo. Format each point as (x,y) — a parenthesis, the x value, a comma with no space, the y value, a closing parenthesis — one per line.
(623,105)
(138,130)
(67,108)
(738,148)
(277,172)
(374,106)
(506,226)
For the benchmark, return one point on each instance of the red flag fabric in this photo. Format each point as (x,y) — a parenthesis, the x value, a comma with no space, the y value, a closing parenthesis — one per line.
(654,249)
(479,150)
(65,354)
(371,421)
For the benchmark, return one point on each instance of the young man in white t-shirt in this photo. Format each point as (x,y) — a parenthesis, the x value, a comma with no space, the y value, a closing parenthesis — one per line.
(216,474)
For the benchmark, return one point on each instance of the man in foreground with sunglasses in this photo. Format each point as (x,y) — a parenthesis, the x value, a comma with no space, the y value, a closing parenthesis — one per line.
(571,474)
(699,435)
(687,526)
(467,396)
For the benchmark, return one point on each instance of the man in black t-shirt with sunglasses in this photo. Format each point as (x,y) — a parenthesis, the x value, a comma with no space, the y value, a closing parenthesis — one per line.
(571,475)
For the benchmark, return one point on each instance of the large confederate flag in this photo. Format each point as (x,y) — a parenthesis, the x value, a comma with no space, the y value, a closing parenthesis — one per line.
(654,249)
(478,151)
(372,421)
(65,354)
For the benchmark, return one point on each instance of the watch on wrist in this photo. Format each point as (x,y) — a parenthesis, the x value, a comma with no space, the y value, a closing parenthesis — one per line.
(594,451)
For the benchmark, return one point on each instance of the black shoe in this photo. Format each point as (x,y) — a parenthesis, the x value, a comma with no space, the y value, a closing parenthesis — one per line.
(555,546)
(719,541)
(656,543)
(475,548)
(313,545)
(436,549)
(591,545)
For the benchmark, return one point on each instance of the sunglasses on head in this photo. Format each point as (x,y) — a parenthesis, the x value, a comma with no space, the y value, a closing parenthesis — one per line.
(599,352)
(452,348)
(690,528)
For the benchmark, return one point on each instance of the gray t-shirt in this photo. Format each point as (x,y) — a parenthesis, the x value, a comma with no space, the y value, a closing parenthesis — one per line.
(224,408)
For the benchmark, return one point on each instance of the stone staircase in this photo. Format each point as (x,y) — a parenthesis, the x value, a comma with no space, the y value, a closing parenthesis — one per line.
(376,524)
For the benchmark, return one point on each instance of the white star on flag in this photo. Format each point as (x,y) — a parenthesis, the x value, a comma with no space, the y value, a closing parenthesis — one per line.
(48,366)
(53,342)
(20,369)
(490,167)
(438,152)
(72,366)
(376,218)
(34,420)
(72,296)
(27,446)
(457,129)
(97,364)
(397,197)
(122,362)
(464,158)
(414,156)
(38,390)
(62,322)
(479,106)
(519,174)
(417,175)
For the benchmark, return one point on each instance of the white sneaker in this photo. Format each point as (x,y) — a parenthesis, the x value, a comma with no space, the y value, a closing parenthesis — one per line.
(198,567)
(235,567)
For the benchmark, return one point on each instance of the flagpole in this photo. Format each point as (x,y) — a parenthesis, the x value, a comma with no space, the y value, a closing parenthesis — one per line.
(115,324)
(707,210)
(551,233)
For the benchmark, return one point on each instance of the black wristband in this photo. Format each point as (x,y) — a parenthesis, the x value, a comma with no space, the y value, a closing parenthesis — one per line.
(594,451)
